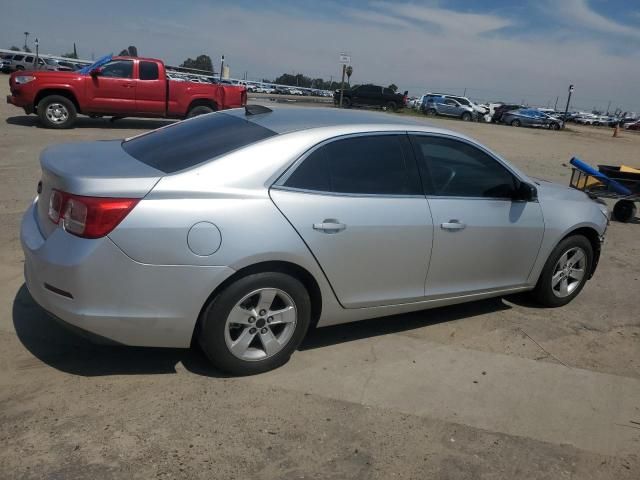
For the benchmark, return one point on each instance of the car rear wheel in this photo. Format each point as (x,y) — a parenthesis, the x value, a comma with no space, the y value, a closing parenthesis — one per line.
(56,111)
(515,123)
(199,110)
(624,210)
(466,116)
(431,112)
(256,323)
(346,102)
(565,273)
(391,106)
(554,126)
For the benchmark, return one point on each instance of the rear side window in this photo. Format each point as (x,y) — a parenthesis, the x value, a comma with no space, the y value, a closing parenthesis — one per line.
(192,142)
(148,71)
(18,58)
(29,59)
(378,165)
(452,168)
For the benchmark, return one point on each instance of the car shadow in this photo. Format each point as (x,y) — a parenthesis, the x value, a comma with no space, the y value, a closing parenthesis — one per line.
(53,344)
(103,123)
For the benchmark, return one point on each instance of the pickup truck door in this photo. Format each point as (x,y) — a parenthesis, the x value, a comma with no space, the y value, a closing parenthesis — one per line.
(151,89)
(112,89)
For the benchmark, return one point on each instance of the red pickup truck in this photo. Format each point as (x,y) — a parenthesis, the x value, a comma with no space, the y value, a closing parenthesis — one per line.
(117,87)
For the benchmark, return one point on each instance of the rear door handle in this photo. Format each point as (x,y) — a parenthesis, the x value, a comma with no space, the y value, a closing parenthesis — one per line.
(452,225)
(329,225)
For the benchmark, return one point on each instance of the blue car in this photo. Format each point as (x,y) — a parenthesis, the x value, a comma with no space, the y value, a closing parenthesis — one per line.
(530,117)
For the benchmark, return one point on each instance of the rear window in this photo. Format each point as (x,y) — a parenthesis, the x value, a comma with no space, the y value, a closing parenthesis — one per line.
(190,143)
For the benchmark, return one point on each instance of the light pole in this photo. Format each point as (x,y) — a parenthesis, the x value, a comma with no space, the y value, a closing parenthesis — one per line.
(221,67)
(26,37)
(37,64)
(566,109)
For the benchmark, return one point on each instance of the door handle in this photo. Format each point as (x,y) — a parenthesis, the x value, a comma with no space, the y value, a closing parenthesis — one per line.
(329,225)
(452,225)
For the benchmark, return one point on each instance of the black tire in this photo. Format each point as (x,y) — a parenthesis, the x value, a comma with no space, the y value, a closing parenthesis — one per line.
(624,210)
(431,112)
(391,106)
(515,123)
(213,322)
(66,104)
(199,110)
(466,117)
(554,126)
(543,292)
(19,68)
(346,102)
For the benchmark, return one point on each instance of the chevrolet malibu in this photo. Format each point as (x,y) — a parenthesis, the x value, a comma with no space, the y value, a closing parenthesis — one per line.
(240,230)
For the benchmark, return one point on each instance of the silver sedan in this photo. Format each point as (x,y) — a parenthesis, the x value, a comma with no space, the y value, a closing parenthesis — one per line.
(242,229)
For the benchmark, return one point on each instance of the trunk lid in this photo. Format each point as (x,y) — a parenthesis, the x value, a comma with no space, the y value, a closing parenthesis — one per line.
(94,169)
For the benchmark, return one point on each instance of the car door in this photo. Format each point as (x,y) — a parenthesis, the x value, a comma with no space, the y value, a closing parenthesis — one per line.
(358,204)
(151,89)
(452,108)
(483,239)
(112,89)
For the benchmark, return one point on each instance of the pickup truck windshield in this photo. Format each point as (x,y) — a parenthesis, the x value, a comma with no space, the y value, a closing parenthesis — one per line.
(192,142)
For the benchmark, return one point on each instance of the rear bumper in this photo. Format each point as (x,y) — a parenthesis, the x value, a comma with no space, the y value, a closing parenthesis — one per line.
(93,286)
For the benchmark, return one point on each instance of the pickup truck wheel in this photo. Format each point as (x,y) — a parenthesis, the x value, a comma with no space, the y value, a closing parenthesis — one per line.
(346,102)
(56,111)
(391,106)
(199,110)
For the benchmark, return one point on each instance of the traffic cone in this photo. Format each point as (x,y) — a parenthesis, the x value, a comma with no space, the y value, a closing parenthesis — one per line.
(616,131)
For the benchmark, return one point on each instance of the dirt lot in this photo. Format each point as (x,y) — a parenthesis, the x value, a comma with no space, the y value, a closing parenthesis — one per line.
(494,389)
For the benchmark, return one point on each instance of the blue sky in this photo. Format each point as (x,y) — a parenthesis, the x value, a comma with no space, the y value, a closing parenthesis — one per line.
(495,49)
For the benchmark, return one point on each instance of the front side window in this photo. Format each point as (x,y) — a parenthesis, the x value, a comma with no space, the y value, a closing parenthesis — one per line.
(452,168)
(148,71)
(359,165)
(118,69)
(29,59)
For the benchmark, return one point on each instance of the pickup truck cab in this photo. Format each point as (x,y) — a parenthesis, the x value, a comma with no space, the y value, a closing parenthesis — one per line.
(371,96)
(117,87)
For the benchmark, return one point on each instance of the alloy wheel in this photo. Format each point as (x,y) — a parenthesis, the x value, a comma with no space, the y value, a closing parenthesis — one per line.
(569,272)
(57,113)
(261,324)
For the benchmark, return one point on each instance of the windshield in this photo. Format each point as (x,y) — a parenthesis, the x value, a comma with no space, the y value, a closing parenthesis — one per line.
(96,64)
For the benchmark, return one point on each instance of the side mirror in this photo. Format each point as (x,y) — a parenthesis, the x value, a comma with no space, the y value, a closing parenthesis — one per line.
(96,71)
(525,192)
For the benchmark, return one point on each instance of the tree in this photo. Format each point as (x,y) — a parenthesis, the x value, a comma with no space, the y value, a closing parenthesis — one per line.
(14,48)
(69,55)
(202,62)
(393,87)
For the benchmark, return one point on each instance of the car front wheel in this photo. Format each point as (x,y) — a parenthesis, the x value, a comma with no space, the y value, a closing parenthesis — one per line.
(565,273)
(256,323)
(56,111)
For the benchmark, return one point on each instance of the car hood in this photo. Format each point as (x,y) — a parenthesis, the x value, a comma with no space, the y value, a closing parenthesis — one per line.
(556,191)
(49,74)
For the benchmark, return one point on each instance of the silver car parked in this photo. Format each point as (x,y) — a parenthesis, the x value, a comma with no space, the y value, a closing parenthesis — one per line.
(241,229)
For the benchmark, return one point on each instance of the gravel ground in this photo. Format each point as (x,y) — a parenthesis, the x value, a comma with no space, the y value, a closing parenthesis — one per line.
(494,389)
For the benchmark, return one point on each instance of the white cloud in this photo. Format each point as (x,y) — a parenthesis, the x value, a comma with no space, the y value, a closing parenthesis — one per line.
(578,12)
(468,24)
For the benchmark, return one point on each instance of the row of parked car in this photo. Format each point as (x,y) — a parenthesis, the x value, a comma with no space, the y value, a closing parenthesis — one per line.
(11,62)
(515,115)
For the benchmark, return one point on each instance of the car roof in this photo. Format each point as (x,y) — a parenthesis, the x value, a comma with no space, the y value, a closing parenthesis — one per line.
(291,119)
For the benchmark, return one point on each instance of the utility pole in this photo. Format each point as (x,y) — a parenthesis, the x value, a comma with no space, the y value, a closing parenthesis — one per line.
(344,70)
(608,107)
(221,67)
(37,64)
(75,52)
(566,109)
(26,37)
(465,92)
(555,107)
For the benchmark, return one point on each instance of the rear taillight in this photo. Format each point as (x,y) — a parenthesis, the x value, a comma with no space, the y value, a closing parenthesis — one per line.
(88,217)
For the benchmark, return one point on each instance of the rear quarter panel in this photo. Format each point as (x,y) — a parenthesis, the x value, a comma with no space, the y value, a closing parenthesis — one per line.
(182,94)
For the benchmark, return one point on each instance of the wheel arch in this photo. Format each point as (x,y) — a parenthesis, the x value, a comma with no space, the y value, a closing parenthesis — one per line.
(594,239)
(45,92)
(202,102)
(289,268)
